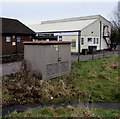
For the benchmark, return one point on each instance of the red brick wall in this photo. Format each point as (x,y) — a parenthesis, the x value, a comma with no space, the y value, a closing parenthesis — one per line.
(20,46)
(8,48)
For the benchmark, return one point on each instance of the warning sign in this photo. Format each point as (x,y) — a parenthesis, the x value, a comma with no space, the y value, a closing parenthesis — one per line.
(56,47)
(73,44)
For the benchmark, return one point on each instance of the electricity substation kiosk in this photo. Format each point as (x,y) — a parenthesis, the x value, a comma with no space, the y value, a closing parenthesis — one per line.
(48,59)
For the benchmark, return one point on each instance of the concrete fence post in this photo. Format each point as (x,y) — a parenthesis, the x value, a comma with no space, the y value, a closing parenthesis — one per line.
(93,54)
(113,52)
(103,52)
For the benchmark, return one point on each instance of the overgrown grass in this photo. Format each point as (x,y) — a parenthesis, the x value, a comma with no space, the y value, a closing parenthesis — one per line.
(102,112)
(98,78)
(68,111)
(90,81)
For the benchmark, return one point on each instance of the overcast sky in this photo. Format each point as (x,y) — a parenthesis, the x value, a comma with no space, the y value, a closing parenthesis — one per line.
(34,12)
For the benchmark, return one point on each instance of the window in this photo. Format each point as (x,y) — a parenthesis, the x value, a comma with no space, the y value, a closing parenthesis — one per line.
(60,38)
(82,41)
(94,41)
(97,40)
(8,39)
(89,39)
(18,39)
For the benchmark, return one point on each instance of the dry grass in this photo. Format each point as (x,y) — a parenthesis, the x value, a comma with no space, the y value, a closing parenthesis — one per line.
(68,111)
(88,81)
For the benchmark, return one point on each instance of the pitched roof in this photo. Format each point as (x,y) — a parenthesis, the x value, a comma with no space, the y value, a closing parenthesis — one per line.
(62,26)
(14,26)
(71,19)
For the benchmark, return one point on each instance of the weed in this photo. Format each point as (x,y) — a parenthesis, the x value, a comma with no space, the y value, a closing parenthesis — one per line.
(93,80)
(69,111)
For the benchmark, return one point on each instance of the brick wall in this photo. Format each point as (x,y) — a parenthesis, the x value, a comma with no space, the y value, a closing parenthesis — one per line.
(9,48)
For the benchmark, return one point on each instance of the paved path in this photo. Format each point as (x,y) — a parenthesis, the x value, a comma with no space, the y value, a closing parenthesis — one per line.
(74,58)
(26,107)
(8,68)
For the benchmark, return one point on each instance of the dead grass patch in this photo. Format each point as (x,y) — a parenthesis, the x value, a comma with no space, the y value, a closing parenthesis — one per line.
(25,87)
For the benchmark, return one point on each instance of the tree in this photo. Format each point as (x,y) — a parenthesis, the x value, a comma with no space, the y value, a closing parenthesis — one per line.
(115,33)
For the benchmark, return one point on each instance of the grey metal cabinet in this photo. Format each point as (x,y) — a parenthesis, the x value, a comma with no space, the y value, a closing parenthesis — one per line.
(48,59)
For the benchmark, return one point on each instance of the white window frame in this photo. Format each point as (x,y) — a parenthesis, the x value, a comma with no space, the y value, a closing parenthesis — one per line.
(8,39)
(18,38)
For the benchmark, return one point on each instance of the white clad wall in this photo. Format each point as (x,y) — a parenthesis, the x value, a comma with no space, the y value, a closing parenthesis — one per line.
(91,30)
(86,43)
(72,38)
(69,36)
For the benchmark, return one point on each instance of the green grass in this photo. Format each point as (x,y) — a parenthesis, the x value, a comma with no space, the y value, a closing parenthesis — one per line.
(102,112)
(68,111)
(89,81)
(98,78)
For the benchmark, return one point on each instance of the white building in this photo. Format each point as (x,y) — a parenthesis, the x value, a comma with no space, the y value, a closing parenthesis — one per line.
(90,32)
